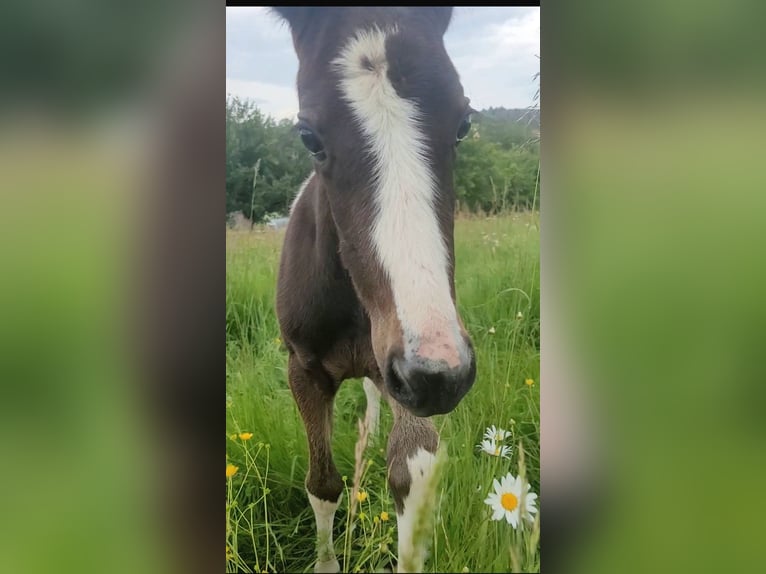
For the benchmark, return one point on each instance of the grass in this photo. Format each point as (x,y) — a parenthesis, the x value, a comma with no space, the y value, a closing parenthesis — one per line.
(269,523)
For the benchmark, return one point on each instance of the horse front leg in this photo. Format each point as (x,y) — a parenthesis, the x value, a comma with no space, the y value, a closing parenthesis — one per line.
(411,458)
(315,393)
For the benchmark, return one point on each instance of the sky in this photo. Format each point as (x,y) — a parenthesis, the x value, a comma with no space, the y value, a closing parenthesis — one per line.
(494,49)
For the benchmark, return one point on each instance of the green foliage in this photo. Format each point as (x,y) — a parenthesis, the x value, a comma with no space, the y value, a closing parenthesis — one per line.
(498,163)
(270,525)
(497,167)
(251,136)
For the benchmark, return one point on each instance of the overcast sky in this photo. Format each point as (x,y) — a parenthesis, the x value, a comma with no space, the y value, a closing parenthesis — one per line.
(494,49)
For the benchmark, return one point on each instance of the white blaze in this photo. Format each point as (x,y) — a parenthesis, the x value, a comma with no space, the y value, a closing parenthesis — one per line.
(406,232)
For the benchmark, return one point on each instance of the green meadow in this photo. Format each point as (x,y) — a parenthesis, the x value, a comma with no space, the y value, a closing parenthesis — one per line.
(269,523)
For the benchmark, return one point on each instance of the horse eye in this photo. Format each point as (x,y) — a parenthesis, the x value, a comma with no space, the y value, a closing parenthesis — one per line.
(312,143)
(464,128)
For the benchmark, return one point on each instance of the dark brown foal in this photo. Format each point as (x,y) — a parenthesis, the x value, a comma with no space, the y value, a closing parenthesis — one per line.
(366,280)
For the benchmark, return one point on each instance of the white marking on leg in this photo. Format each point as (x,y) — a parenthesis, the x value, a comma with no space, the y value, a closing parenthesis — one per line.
(324,512)
(372,416)
(406,233)
(413,544)
(301,189)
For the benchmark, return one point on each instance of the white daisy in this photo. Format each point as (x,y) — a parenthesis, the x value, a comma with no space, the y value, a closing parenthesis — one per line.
(494,449)
(496,434)
(506,500)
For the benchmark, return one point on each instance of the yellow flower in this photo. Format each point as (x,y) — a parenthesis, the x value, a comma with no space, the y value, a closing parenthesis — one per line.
(384,516)
(529,382)
(376,520)
(233,436)
(278,341)
(491,331)
(231,470)
(245,435)
(361,496)
(362,516)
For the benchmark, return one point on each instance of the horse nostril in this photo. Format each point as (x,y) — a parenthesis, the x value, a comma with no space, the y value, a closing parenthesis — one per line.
(396,379)
(426,387)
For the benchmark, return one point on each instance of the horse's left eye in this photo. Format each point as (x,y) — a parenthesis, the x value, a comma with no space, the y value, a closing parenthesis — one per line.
(464,128)
(312,143)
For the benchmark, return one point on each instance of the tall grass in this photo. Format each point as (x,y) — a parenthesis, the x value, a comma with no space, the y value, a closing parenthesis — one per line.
(270,525)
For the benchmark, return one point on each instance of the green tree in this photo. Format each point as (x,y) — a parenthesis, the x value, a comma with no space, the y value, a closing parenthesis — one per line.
(250,135)
(497,166)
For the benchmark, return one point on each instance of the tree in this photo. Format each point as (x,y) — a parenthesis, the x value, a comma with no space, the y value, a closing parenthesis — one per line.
(496,168)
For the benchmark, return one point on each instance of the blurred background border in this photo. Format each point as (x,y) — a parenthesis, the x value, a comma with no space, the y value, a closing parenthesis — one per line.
(112,285)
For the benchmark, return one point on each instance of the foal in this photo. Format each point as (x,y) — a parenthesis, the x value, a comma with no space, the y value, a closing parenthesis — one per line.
(366,279)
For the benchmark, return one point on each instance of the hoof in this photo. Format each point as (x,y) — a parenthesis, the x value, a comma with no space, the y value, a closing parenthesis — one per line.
(331,566)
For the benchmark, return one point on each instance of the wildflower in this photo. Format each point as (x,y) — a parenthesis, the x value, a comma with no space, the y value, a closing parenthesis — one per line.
(465,569)
(231,470)
(494,449)
(375,520)
(233,436)
(491,331)
(384,516)
(361,496)
(278,341)
(245,435)
(506,500)
(529,382)
(362,516)
(496,434)
(519,315)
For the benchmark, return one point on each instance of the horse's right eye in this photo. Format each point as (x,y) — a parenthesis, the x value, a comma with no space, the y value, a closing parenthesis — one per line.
(312,143)
(465,127)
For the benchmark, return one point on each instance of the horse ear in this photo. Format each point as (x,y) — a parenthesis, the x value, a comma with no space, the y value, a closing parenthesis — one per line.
(440,16)
(297,18)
